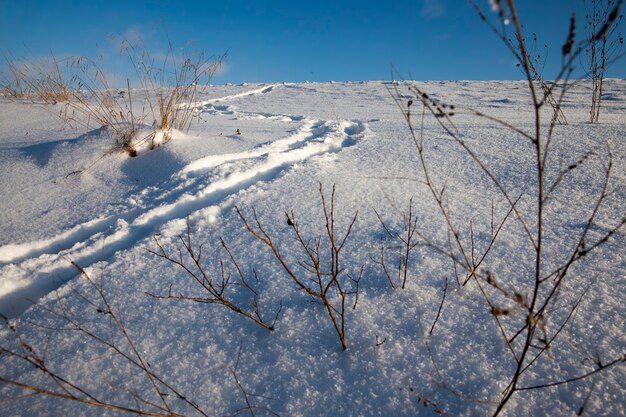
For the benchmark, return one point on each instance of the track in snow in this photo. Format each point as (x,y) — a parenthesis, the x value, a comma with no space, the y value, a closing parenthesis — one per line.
(30,270)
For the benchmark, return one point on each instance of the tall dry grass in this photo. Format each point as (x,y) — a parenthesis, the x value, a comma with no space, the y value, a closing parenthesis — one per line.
(156,100)
(42,79)
(162,101)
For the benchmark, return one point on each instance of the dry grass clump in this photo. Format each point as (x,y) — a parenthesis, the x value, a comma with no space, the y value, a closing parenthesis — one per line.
(43,80)
(141,118)
(146,116)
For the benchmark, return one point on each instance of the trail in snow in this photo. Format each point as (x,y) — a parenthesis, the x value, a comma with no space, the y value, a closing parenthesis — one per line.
(33,269)
(261,90)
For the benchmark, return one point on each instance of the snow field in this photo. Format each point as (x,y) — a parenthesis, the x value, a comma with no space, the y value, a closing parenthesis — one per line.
(350,135)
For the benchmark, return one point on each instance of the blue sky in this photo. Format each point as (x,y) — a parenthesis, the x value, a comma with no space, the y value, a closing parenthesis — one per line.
(276,40)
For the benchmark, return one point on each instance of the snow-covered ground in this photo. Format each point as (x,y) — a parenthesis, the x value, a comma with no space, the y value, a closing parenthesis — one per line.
(268,148)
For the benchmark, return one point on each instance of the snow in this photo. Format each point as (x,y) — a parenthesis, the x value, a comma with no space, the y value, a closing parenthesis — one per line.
(65,195)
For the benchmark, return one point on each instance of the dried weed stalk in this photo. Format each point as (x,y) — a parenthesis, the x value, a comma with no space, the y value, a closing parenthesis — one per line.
(407,241)
(250,399)
(529,60)
(157,401)
(602,25)
(320,273)
(218,290)
(530,318)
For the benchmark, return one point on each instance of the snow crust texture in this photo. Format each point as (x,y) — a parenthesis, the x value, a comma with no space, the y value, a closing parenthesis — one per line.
(266,149)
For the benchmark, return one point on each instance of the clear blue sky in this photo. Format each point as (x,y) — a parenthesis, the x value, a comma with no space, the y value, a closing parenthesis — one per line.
(276,40)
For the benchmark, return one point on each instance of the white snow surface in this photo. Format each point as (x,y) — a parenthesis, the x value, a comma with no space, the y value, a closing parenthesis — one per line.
(268,148)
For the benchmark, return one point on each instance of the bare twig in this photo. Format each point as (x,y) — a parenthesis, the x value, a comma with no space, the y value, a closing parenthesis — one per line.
(129,353)
(216,290)
(524,317)
(324,278)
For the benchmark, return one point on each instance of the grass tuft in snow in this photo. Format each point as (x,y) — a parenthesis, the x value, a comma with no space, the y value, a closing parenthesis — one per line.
(147,117)
(142,117)
(42,80)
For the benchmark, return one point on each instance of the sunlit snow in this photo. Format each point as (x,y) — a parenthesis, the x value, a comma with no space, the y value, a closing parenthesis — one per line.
(65,196)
